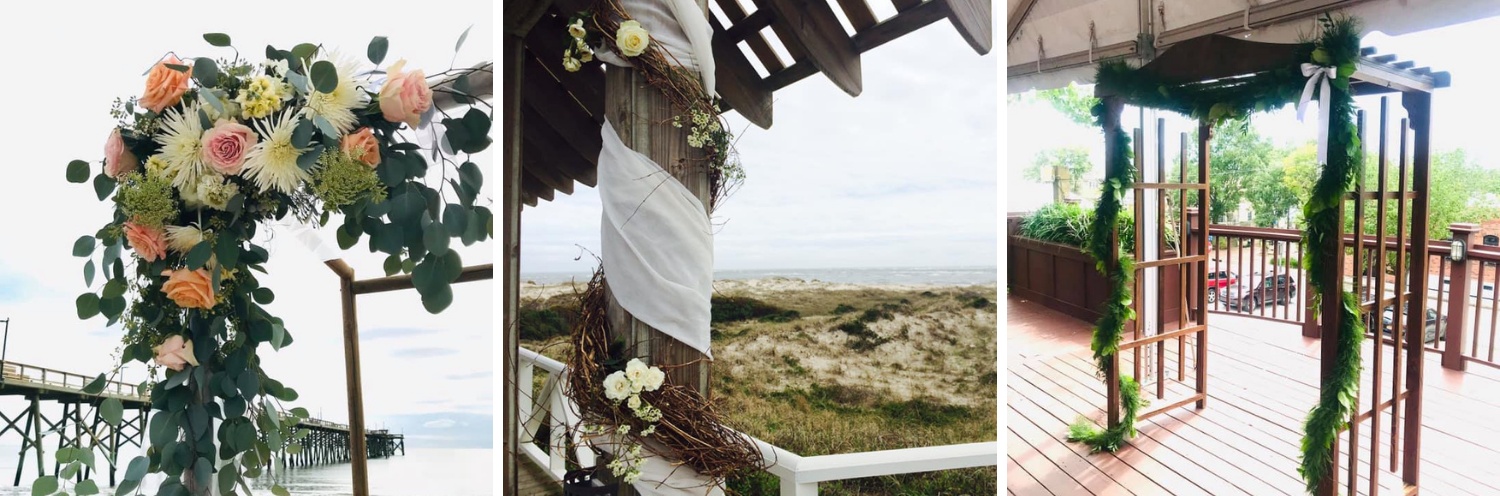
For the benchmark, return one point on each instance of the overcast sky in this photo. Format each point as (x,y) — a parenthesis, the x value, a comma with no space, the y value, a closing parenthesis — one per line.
(902,176)
(427,375)
(1459,120)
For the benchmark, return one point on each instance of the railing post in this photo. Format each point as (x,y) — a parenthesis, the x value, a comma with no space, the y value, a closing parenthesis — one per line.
(1458,300)
(526,401)
(790,487)
(557,444)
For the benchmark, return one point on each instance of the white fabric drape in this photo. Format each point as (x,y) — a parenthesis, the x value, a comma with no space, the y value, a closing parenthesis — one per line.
(678,26)
(663,477)
(656,242)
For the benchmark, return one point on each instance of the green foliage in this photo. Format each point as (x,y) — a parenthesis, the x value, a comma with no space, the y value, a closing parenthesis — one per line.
(340,180)
(737,308)
(843,308)
(1069,224)
(1072,102)
(1073,159)
(376,51)
(147,200)
(1238,156)
(1111,439)
(543,324)
(1337,402)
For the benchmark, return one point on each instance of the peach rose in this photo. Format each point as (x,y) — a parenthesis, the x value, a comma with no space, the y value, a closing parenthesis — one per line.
(175,352)
(189,288)
(405,95)
(117,158)
(363,146)
(225,145)
(164,85)
(148,242)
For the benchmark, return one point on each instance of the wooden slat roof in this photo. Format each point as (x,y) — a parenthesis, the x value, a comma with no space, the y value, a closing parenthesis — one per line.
(563,110)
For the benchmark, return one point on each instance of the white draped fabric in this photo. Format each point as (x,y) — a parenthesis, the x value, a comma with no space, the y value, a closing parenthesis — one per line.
(663,477)
(656,242)
(677,26)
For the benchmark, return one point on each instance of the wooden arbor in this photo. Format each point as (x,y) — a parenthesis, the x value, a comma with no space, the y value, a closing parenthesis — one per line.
(552,117)
(1219,57)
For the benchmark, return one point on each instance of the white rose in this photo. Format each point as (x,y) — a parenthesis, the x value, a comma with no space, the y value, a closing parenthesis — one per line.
(632,39)
(585,53)
(616,386)
(654,378)
(636,370)
(572,64)
(576,29)
(634,402)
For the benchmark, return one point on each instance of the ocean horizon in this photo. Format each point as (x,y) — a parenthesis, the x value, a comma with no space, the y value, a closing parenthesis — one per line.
(942,276)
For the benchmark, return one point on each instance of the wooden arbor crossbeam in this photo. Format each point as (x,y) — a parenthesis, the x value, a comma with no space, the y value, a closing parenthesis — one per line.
(349,288)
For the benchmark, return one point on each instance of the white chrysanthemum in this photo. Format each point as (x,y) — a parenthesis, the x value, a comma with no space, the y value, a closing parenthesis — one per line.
(215,192)
(338,107)
(182,146)
(272,163)
(181,239)
(616,386)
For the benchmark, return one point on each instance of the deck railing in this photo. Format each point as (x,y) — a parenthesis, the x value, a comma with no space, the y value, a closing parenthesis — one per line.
(799,475)
(1461,294)
(58,379)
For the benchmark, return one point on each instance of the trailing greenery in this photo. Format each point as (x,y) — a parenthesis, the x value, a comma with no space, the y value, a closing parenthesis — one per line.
(1234,98)
(1069,224)
(1339,46)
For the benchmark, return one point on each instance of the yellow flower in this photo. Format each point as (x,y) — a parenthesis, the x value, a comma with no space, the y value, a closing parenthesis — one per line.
(576,29)
(632,39)
(262,96)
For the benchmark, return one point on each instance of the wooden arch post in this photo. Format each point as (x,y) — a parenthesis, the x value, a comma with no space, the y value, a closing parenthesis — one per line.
(642,116)
(348,289)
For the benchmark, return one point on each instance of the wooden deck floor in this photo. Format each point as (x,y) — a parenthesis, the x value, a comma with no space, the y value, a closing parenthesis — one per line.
(1263,379)
(534,480)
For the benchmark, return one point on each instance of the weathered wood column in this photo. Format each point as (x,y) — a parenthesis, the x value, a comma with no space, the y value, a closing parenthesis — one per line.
(1419,110)
(642,116)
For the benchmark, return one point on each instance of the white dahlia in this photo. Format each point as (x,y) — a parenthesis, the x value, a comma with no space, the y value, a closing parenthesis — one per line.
(272,163)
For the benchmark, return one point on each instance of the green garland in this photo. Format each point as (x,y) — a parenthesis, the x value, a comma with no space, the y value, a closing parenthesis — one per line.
(1119,178)
(1216,101)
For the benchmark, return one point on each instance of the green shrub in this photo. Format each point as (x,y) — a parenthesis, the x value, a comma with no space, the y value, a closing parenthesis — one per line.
(923,412)
(1069,224)
(864,339)
(874,315)
(843,309)
(783,316)
(543,324)
(737,308)
(980,303)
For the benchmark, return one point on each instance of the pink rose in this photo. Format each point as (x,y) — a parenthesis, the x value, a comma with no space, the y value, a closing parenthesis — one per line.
(175,352)
(189,288)
(164,85)
(117,158)
(363,146)
(148,242)
(225,145)
(405,96)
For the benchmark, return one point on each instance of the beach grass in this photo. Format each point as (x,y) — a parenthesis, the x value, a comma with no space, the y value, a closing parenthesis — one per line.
(824,368)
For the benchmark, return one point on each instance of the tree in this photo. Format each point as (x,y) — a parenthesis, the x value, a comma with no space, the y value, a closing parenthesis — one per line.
(1072,102)
(1074,159)
(1236,154)
(1278,189)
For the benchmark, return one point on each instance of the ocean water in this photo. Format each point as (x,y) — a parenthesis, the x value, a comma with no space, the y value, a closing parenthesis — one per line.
(456,472)
(944,276)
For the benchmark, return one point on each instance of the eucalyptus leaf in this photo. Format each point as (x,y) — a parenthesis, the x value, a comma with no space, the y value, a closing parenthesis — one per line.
(84,246)
(44,486)
(199,255)
(302,134)
(216,39)
(377,49)
(88,305)
(95,386)
(206,72)
(304,50)
(461,38)
(112,410)
(78,171)
(103,186)
(325,77)
(88,273)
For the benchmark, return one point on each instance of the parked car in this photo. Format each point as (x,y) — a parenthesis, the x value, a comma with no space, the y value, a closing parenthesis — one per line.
(1436,325)
(1217,281)
(1279,289)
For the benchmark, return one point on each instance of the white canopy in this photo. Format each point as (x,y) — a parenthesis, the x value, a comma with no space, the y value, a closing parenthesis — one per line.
(1048,42)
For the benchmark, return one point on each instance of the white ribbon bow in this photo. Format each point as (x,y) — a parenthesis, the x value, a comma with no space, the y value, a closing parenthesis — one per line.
(1317,74)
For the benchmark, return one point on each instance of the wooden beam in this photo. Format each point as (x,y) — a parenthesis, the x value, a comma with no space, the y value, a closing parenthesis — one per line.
(481,85)
(563,156)
(739,85)
(750,25)
(1017,16)
(546,48)
(561,109)
(513,51)
(900,25)
(972,19)
(521,15)
(758,44)
(358,464)
(902,5)
(816,27)
(538,162)
(858,13)
(535,186)
(403,281)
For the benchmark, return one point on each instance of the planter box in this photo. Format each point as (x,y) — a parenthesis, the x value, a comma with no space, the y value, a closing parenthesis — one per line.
(1064,278)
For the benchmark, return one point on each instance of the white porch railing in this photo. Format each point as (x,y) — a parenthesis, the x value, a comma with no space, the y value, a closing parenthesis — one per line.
(799,475)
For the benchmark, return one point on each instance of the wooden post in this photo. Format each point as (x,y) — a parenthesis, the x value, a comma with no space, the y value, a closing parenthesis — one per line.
(358,466)
(1205,134)
(510,172)
(1332,301)
(1418,109)
(1458,301)
(1111,118)
(36,422)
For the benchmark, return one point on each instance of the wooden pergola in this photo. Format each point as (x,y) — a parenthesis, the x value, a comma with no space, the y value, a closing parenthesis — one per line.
(551,117)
